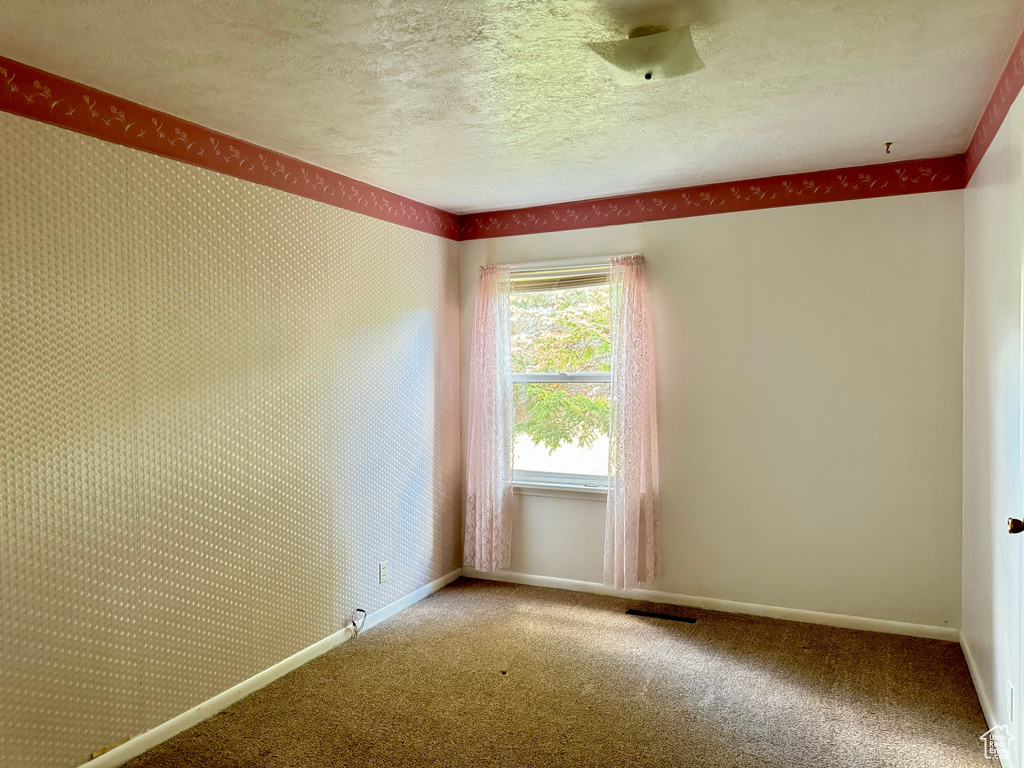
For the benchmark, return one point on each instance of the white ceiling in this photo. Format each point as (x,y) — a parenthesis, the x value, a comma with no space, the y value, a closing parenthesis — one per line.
(491,104)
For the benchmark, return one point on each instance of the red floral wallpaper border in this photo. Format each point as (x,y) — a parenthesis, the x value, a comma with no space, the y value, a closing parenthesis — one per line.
(904,178)
(1008,86)
(36,94)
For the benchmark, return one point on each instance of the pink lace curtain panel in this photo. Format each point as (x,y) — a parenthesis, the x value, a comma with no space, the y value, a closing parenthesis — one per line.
(632,541)
(488,543)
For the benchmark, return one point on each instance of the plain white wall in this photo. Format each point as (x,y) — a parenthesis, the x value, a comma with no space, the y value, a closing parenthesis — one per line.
(809,395)
(992,424)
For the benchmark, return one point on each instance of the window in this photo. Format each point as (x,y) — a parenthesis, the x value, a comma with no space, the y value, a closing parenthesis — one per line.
(560,329)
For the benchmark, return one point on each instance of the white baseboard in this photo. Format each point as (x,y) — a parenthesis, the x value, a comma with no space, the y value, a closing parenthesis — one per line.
(415,596)
(726,606)
(979,684)
(144,741)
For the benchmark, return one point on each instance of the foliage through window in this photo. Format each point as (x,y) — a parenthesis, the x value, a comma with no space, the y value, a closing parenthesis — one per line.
(561,373)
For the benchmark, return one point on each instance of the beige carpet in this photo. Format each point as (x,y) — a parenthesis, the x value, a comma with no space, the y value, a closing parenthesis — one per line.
(487,674)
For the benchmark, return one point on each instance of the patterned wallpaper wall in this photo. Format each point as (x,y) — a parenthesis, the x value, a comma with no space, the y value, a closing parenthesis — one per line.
(221,406)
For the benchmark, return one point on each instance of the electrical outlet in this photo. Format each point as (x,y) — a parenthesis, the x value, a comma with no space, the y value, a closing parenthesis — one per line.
(383,572)
(1010,714)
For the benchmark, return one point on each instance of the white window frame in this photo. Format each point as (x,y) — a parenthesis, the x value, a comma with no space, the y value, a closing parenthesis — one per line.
(535,479)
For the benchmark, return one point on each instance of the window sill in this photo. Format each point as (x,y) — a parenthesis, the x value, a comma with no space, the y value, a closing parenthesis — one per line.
(561,491)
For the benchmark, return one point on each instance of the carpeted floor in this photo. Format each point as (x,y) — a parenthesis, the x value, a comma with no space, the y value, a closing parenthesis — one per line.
(488,674)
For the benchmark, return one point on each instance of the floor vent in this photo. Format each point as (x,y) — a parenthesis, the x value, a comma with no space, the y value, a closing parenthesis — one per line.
(667,617)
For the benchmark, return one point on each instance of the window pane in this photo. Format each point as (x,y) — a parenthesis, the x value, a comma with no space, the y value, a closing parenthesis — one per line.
(561,331)
(562,428)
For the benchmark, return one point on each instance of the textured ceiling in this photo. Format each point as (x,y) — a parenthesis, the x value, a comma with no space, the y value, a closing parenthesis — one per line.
(482,105)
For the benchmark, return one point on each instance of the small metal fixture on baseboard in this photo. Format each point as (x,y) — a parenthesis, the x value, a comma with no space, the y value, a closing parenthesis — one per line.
(358,619)
(100,752)
(665,616)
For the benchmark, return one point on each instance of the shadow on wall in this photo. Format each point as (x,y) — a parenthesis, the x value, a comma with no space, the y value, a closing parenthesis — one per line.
(393,467)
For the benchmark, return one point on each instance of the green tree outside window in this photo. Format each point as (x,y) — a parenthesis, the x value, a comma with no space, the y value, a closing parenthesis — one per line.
(561,331)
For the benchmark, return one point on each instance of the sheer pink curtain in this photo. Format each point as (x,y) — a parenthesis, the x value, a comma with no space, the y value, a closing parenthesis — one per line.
(632,539)
(488,544)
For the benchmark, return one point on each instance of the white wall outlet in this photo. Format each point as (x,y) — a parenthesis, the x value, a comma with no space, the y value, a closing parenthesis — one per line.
(1010,714)
(383,572)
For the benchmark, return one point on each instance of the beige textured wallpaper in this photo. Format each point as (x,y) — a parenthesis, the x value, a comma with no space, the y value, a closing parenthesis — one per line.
(220,407)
